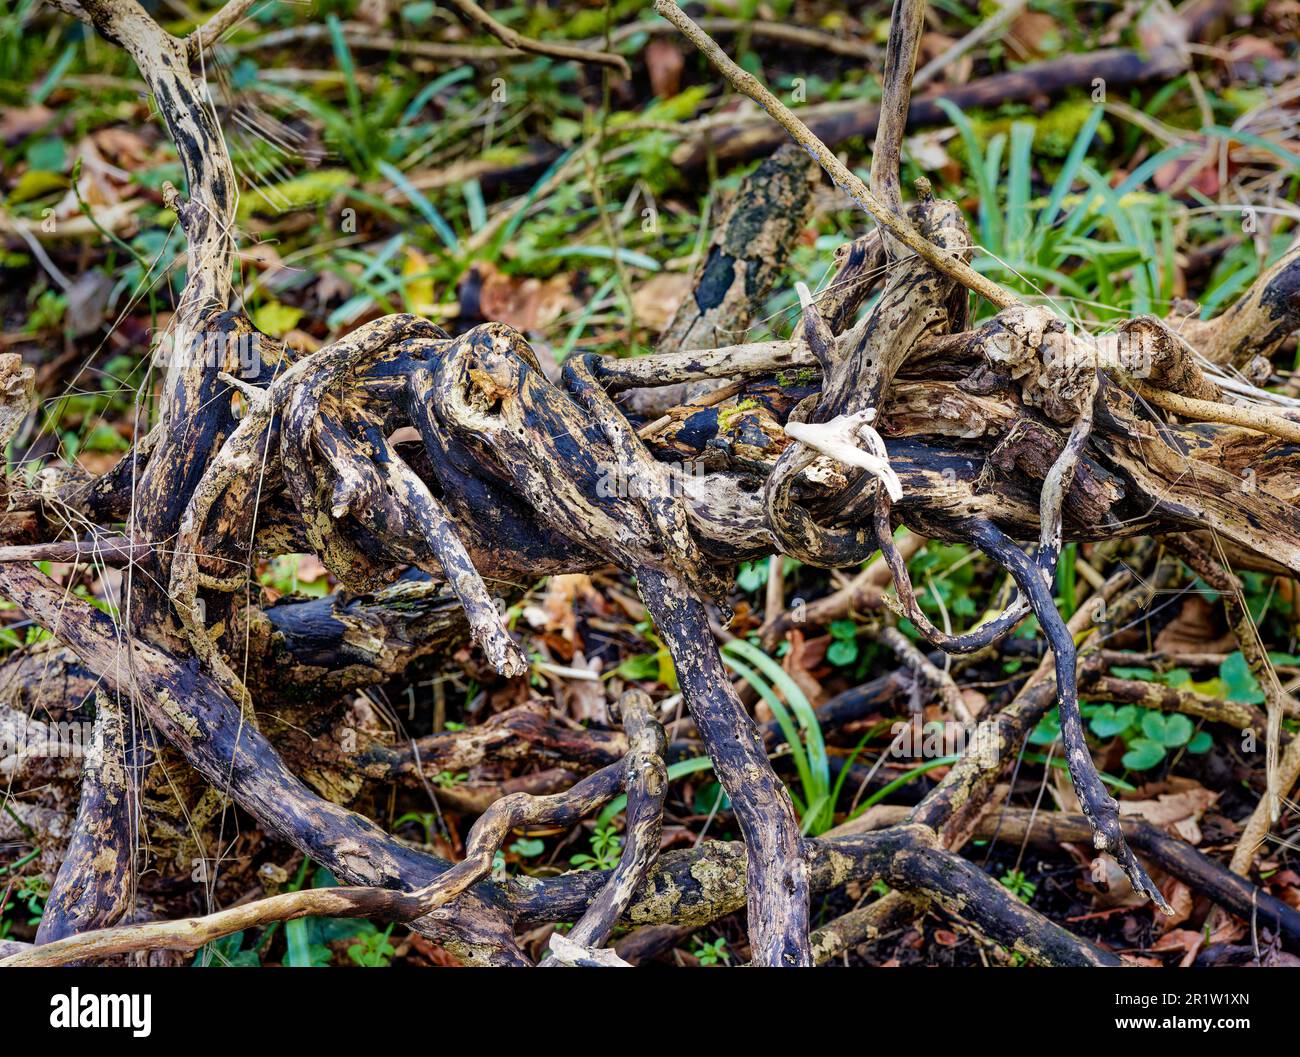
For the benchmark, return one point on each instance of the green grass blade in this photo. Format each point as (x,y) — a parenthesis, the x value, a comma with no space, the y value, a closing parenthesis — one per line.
(1018,187)
(1070,169)
(798,702)
(431,89)
(783,720)
(426,208)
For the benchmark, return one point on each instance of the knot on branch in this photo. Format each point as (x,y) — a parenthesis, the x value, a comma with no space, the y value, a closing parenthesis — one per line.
(1056,368)
(1051,365)
(571,454)
(858,367)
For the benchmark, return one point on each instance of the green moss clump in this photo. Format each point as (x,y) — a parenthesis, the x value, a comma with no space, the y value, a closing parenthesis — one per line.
(303,192)
(1054,132)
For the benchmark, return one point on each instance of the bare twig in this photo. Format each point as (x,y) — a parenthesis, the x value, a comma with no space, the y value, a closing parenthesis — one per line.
(210,33)
(515,39)
(986,29)
(1255,418)
(747,84)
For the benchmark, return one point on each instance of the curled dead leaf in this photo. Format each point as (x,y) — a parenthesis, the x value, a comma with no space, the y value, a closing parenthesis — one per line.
(664,64)
(1034,35)
(1195,630)
(657,299)
(525,303)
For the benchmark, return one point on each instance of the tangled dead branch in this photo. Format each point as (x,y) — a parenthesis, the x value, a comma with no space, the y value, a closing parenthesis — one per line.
(1028,434)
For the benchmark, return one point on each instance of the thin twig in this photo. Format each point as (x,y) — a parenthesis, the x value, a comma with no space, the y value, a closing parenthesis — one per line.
(1228,414)
(516,39)
(210,33)
(976,37)
(747,84)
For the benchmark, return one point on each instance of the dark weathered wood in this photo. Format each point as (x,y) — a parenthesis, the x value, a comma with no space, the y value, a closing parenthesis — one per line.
(747,254)
(646,782)
(96,882)
(1011,431)
(188,708)
(835,123)
(778,886)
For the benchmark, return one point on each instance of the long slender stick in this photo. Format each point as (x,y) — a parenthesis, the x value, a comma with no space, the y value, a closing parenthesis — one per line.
(973,39)
(847,181)
(506,35)
(1228,414)
(905,27)
(210,33)
(777,880)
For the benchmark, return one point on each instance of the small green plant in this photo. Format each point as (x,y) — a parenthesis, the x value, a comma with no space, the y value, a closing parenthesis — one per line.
(843,649)
(33,897)
(657,665)
(807,748)
(606,846)
(1149,736)
(1015,882)
(425,819)
(1160,734)
(712,952)
(282,574)
(751,576)
(372,950)
(29,897)
(227,952)
(307,940)
(48,311)
(1108,246)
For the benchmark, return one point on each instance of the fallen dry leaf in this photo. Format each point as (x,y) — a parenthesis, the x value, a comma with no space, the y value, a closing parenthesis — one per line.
(1228,930)
(797,660)
(1185,940)
(664,64)
(1206,179)
(1194,630)
(975,701)
(1180,898)
(374,12)
(586,697)
(1179,811)
(1115,890)
(558,604)
(933,45)
(122,147)
(527,304)
(332,287)
(656,299)
(311,569)
(19,122)
(301,341)
(1251,49)
(98,462)
(1140,962)
(87,303)
(928,151)
(1034,35)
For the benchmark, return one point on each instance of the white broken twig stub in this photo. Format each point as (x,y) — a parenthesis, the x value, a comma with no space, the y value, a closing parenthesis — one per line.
(841,440)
